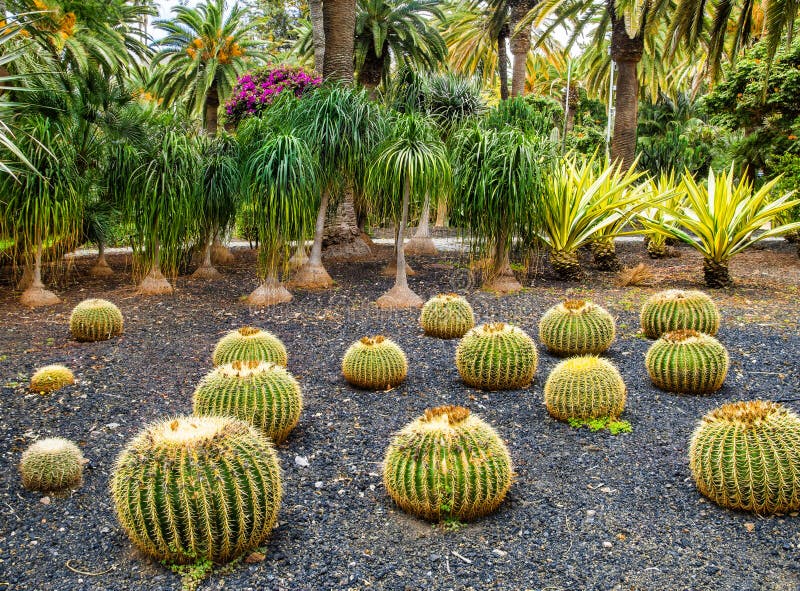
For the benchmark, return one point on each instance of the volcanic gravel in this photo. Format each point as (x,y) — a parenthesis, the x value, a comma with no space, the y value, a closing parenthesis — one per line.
(586,510)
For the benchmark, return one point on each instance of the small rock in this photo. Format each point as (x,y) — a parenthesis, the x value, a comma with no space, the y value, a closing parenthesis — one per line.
(607,544)
(112,425)
(45,500)
(749,526)
(255,557)
(499,552)
(301,461)
(318,484)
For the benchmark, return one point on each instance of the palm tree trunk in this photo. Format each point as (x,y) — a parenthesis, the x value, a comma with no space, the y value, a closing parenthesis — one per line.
(318,34)
(502,61)
(36,295)
(342,237)
(312,275)
(339,22)
(422,243)
(441,214)
(270,291)
(499,277)
(206,270)
(371,72)
(154,283)
(211,116)
(717,273)
(627,53)
(520,46)
(100,267)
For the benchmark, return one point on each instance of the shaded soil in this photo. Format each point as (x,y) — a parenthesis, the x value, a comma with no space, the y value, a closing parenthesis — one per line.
(586,511)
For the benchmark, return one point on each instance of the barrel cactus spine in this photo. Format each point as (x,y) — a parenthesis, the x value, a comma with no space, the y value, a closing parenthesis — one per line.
(687,362)
(262,394)
(497,356)
(95,320)
(374,363)
(585,388)
(447,316)
(52,465)
(197,488)
(577,327)
(51,378)
(676,309)
(746,456)
(250,344)
(448,465)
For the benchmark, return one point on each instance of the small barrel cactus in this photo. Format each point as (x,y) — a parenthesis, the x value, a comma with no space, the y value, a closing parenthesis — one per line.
(676,309)
(576,327)
(196,488)
(446,316)
(374,363)
(746,455)
(95,320)
(52,465)
(447,464)
(497,357)
(260,393)
(687,362)
(51,378)
(250,344)
(585,387)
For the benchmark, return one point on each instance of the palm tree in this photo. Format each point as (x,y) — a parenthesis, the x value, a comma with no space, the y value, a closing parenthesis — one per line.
(204,51)
(339,24)
(408,165)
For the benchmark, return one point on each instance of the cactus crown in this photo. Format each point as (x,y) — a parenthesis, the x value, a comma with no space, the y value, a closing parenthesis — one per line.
(244,369)
(748,414)
(577,306)
(453,415)
(372,341)
(684,335)
(185,431)
(248,331)
(496,327)
(670,295)
(583,363)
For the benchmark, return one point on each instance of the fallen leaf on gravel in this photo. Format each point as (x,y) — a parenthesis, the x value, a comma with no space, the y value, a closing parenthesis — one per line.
(750,526)
(621,537)
(255,557)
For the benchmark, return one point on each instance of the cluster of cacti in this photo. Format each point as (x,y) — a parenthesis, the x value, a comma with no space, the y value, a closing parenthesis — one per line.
(95,320)
(746,455)
(51,378)
(496,357)
(260,393)
(446,316)
(676,309)
(374,363)
(195,488)
(447,464)
(585,387)
(52,465)
(250,344)
(576,327)
(687,362)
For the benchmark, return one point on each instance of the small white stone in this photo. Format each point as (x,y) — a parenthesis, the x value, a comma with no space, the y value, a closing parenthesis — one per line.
(607,544)
(318,484)
(301,461)
(499,552)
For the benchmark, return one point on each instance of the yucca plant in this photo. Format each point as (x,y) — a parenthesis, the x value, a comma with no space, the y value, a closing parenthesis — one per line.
(720,219)
(672,197)
(408,165)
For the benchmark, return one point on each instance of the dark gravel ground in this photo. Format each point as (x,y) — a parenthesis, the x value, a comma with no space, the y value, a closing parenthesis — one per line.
(586,511)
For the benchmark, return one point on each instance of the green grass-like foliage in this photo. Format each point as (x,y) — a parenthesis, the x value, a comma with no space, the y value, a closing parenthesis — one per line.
(676,309)
(250,344)
(260,393)
(447,465)
(51,465)
(584,388)
(577,327)
(374,363)
(197,487)
(687,362)
(746,455)
(447,316)
(95,320)
(51,378)
(614,426)
(497,357)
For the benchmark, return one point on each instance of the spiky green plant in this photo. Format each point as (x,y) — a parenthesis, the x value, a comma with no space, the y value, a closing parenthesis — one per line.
(51,378)
(195,488)
(95,320)
(687,362)
(577,327)
(250,344)
(746,456)
(448,465)
(446,316)
(52,465)
(260,393)
(676,309)
(374,363)
(586,387)
(497,357)
(665,185)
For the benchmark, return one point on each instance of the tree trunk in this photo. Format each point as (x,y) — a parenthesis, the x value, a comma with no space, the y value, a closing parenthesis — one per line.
(36,295)
(212,111)
(100,267)
(371,72)
(318,34)
(520,45)
(270,291)
(566,265)
(627,53)
(422,243)
(312,275)
(339,20)
(154,283)
(499,277)
(207,270)
(502,61)
(342,237)
(716,274)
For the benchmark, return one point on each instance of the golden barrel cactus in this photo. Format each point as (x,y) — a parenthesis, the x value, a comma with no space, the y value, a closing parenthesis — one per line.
(585,387)
(374,363)
(577,327)
(95,320)
(51,378)
(676,309)
(687,362)
(52,465)
(497,357)
(447,316)
(250,344)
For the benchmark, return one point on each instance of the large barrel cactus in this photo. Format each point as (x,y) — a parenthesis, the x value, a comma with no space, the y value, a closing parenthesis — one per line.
(446,316)
(497,357)
(576,327)
(51,465)
(676,309)
(584,388)
(250,344)
(374,363)
(746,455)
(447,464)
(51,378)
(196,488)
(260,393)
(687,362)
(95,320)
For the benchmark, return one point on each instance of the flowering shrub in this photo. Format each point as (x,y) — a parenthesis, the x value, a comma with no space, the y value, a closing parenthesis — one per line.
(255,91)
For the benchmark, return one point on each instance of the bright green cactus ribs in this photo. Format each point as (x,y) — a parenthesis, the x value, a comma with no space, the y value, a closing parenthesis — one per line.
(250,344)
(676,309)
(374,363)
(497,357)
(52,466)
(195,488)
(687,362)
(51,378)
(95,320)
(446,316)
(584,388)
(746,456)
(260,393)
(447,464)
(576,327)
